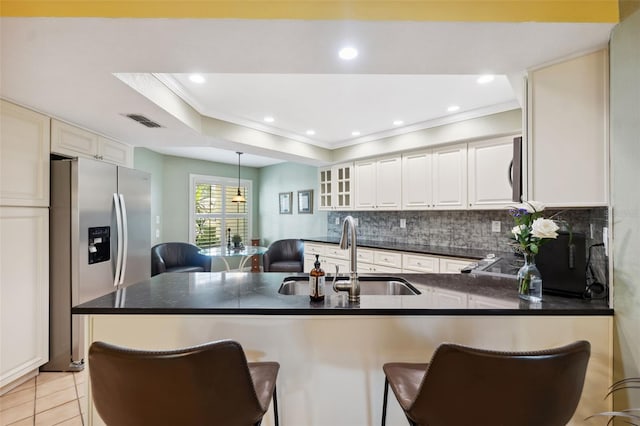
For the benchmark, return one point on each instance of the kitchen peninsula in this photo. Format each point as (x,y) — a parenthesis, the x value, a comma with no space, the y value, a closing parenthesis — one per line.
(331,353)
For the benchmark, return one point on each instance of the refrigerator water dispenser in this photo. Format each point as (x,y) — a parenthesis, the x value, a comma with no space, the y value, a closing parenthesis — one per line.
(99,244)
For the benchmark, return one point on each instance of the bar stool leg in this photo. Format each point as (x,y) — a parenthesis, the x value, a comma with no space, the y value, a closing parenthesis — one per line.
(384,401)
(275,407)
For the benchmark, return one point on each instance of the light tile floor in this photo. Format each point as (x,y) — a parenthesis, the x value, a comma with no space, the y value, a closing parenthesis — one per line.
(46,400)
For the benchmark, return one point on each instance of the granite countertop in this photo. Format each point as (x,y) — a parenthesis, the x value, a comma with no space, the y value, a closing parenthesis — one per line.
(246,293)
(413,248)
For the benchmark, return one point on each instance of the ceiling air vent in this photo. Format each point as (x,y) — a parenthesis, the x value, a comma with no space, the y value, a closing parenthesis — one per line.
(143,120)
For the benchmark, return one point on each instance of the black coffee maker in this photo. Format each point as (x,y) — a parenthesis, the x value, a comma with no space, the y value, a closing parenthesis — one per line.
(562,263)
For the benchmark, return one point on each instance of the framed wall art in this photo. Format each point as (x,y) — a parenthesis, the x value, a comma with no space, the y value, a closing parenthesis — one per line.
(305,201)
(286,202)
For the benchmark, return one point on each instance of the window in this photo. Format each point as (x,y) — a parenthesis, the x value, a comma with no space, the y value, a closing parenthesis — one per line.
(213,217)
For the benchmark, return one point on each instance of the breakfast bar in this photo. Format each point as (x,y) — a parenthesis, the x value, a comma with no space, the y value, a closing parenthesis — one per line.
(331,352)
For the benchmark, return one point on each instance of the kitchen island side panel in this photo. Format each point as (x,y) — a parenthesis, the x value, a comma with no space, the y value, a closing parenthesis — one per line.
(331,366)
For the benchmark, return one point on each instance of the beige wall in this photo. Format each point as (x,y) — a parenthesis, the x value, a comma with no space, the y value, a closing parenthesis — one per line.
(625,200)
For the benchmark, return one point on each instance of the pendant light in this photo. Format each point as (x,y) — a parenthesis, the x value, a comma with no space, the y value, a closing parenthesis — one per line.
(239,198)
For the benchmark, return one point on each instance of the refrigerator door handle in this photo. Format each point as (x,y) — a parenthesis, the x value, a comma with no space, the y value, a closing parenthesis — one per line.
(125,232)
(116,203)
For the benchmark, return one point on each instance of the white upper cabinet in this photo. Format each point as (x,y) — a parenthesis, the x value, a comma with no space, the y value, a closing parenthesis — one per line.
(568,132)
(24,157)
(379,184)
(450,177)
(417,181)
(73,141)
(336,187)
(490,173)
(365,184)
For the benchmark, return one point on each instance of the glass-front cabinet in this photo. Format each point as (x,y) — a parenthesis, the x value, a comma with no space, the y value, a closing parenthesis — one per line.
(336,186)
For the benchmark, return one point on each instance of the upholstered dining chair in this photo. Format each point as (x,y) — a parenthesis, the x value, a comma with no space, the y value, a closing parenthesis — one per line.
(178,257)
(284,256)
(466,386)
(210,384)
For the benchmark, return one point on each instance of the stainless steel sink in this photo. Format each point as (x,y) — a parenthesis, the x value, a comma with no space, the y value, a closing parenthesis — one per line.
(369,286)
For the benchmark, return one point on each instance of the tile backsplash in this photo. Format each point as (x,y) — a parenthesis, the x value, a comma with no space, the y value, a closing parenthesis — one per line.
(466,228)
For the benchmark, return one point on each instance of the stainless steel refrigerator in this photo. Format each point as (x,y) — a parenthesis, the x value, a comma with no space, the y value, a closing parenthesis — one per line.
(100,235)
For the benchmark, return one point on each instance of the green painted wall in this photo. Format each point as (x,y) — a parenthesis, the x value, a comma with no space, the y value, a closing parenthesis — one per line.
(625,201)
(170,190)
(153,163)
(288,177)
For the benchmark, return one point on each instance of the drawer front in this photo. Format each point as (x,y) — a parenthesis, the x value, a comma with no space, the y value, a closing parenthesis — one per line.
(365,255)
(336,252)
(453,266)
(313,249)
(388,258)
(420,263)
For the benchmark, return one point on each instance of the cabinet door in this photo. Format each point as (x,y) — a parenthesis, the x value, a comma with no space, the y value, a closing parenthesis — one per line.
(325,189)
(24,291)
(24,157)
(420,263)
(342,187)
(392,259)
(72,141)
(115,152)
(309,260)
(389,183)
(450,177)
(490,168)
(453,266)
(444,299)
(416,181)
(483,302)
(568,134)
(365,185)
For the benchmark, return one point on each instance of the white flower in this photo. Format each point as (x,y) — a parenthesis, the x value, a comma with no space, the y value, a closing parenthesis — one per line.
(544,228)
(531,206)
(516,230)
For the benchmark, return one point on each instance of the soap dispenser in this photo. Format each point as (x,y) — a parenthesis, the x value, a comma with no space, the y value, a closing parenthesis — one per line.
(316,282)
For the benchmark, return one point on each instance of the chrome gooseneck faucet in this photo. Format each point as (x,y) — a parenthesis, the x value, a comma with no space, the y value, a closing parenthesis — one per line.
(352,286)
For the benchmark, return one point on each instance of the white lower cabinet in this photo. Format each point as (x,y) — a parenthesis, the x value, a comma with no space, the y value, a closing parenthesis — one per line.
(447,299)
(24,291)
(380,261)
(482,302)
(449,265)
(420,263)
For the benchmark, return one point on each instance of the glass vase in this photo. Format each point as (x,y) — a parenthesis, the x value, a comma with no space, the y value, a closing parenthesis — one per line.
(530,280)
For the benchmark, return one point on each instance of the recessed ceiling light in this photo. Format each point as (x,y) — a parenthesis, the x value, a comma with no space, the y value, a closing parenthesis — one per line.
(398,122)
(197,78)
(453,108)
(311,132)
(348,53)
(485,79)
(355,133)
(269,119)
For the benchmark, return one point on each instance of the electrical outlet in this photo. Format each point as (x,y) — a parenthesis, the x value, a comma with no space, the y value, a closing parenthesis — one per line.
(495,226)
(592,230)
(403,223)
(337,221)
(355,220)
(157,220)
(157,233)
